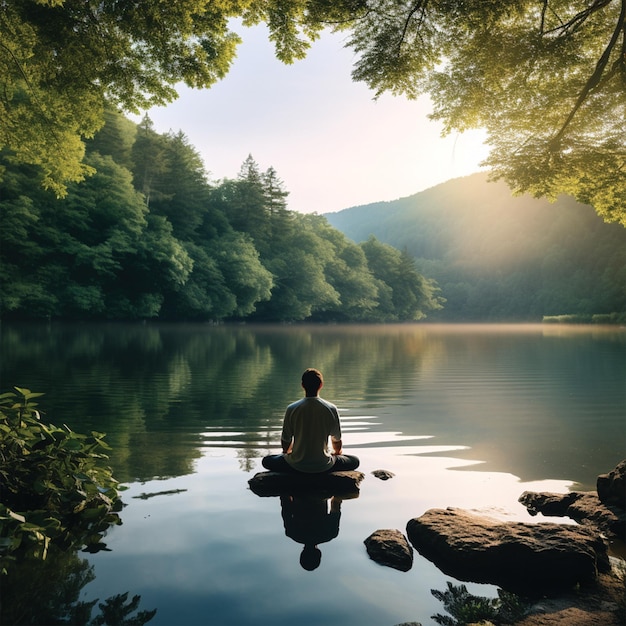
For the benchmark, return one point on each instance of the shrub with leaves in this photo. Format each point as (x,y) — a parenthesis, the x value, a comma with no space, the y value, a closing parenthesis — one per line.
(466,608)
(54,485)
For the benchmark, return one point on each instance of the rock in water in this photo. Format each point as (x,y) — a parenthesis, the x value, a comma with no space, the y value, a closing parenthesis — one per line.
(280,483)
(611,487)
(383,474)
(519,557)
(582,506)
(606,509)
(391,548)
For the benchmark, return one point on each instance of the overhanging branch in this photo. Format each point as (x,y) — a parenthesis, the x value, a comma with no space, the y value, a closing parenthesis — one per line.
(595,78)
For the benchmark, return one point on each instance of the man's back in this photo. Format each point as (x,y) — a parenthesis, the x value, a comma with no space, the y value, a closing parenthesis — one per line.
(310,421)
(307,425)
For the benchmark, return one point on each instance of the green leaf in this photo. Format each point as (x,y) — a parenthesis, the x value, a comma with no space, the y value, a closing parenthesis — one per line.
(72,444)
(53,468)
(95,513)
(30,527)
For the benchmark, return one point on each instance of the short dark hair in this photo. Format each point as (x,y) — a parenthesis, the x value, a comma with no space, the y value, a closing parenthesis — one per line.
(312,380)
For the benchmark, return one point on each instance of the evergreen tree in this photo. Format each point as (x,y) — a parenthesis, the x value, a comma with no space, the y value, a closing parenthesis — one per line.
(278,217)
(185,190)
(149,161)
(246,205)
(116,138)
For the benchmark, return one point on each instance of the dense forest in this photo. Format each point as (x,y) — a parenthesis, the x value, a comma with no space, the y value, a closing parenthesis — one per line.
(148,236)
(497,257)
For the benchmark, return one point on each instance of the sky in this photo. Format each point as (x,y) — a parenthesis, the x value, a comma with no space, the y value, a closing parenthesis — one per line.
(330,142)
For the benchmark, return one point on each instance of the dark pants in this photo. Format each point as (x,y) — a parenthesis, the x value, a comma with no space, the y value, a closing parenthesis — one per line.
(277,463)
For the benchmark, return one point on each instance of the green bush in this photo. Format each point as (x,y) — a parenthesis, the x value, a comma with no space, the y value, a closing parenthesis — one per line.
(466,608)
(54,486)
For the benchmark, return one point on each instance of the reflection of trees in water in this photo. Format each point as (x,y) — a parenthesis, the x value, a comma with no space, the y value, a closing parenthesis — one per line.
(36,591)
(360,362)
(247,458)
(161,392)
(156,389)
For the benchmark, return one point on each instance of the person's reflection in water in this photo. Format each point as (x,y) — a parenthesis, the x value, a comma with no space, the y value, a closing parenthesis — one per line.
(310,520)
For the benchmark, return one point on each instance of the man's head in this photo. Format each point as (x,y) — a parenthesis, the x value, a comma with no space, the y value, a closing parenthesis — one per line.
(312,381)
(310,557)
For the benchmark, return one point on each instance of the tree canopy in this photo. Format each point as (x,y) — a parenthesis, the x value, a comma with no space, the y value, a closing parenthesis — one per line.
(546,78)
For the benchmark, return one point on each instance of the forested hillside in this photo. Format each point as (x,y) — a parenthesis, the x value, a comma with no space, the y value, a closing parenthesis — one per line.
(499,257)
(147,236)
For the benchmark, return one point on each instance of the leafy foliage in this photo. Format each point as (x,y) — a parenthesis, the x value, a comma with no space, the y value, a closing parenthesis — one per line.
(546,79)
(151,237)
(60,58)
(407,289)
(114,610)
(54,487)
(37,591)
(466,608)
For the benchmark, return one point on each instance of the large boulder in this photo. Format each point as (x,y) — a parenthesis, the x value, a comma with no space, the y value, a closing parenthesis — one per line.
(329,483)
(391,548)
(519,557)
(612,487)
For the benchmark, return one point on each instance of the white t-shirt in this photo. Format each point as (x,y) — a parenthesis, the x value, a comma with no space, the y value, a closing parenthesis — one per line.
(310,421)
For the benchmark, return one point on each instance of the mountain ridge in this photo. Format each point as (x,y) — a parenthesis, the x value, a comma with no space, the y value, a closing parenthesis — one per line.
(485,247)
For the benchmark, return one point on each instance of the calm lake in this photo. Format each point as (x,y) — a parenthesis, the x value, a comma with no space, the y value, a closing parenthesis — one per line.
(465,416)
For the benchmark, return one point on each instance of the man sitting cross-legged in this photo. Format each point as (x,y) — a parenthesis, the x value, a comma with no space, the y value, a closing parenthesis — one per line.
(307,425)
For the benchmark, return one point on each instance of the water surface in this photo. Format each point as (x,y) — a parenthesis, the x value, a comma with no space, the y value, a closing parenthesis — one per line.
(467,416)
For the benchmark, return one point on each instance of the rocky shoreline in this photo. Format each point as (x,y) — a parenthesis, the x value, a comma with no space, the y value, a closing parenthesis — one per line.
(564,572)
